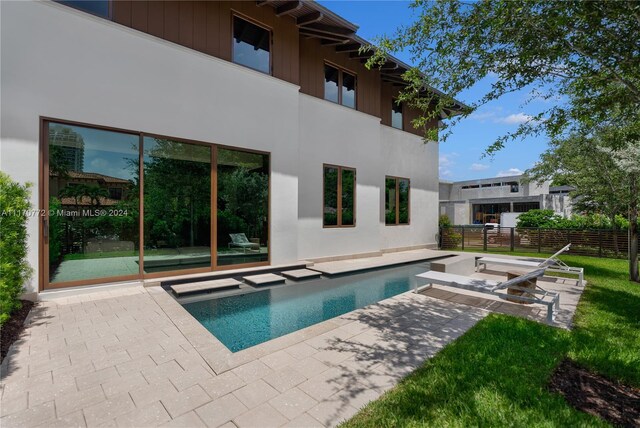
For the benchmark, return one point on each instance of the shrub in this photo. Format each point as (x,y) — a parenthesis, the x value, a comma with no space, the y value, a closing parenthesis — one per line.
(14,269)
(539,218)
(444,222)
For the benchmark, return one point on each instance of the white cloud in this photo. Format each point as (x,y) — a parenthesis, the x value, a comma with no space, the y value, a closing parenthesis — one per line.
(478,167)
(446,161)
(514,119)
(509,172)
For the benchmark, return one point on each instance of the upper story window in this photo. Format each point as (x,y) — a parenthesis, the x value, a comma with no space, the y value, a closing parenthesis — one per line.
(95,7)
(339,189)
(396,114)
(339,86)
(514,185)
(251,45)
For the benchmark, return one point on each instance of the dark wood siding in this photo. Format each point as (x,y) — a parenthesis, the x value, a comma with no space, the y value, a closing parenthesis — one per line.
(388,93)
(206,26)
(312,58)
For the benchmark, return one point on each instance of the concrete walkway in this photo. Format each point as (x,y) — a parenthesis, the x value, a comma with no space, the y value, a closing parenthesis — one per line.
(133,357)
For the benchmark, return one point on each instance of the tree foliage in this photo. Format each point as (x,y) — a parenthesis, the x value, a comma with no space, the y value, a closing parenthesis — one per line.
(582,56)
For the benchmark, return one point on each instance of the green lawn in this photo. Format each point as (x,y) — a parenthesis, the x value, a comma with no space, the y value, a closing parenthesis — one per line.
(496,373)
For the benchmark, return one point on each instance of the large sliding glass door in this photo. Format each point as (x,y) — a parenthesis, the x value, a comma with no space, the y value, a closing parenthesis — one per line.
(177,205)
(93,202)
(242,207)
(125,205)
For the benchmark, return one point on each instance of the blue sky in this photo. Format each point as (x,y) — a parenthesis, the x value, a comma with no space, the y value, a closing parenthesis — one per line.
(461,155)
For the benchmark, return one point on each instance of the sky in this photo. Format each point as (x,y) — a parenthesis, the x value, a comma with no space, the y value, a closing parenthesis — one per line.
(461,155)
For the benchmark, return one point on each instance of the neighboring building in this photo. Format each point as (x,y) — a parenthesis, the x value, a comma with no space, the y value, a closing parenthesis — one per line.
(225,135)
(482,201)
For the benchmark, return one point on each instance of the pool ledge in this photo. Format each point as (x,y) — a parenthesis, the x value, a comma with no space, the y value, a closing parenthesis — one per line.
(343,327)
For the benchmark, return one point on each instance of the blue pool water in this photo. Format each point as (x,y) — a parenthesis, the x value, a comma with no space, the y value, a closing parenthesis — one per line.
(245,320)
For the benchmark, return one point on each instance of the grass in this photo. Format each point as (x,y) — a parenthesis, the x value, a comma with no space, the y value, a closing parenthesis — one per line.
(496,374)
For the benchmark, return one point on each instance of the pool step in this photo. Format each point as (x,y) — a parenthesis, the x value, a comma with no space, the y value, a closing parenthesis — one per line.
(299,274)
(218,284)
(264,279)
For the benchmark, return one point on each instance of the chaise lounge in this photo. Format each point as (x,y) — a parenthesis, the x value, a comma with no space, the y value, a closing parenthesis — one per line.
(551,264)
(239,240)
(496,288)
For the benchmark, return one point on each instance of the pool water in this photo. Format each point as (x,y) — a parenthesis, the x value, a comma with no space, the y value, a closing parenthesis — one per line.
(245,320)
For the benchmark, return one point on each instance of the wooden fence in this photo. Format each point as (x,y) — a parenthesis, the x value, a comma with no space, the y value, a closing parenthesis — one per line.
(598,243)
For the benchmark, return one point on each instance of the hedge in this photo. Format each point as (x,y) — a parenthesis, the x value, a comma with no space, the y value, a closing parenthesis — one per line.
(14,269)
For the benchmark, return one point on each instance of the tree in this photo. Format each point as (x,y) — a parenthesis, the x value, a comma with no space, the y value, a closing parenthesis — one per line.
(582,56)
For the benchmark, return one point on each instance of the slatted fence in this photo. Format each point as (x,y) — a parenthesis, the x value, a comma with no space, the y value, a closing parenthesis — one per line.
(597,243)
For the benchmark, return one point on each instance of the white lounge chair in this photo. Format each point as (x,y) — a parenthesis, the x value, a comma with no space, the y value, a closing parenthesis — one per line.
(240,240)
(551,264)
(496,288)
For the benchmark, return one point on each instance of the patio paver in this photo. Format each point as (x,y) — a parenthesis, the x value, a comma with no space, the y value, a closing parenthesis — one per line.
(133,356)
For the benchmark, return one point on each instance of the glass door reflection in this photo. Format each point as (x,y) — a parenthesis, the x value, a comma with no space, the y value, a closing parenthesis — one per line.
(177,205)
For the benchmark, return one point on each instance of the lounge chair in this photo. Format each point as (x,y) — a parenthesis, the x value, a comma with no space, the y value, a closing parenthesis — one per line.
(551,264)
(496,288)
(239,240)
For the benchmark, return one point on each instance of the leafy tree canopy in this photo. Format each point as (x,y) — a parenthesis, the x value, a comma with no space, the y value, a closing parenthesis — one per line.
(583,56)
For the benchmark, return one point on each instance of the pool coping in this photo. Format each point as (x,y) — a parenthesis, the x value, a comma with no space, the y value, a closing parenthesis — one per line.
(220,358)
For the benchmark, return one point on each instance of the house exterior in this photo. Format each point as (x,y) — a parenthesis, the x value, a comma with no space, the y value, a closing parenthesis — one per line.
(482,201)
(173,138)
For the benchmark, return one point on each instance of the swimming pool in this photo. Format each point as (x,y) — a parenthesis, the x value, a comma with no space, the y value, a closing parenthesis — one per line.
(245,320)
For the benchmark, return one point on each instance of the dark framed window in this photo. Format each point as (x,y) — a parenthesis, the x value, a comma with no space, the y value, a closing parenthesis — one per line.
(101,8)
(396,205)
(339,196)
(251,45)
(523,207)
(339,86)
(396,115)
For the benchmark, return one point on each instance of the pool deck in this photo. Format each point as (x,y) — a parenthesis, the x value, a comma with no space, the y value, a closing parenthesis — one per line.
(132,356)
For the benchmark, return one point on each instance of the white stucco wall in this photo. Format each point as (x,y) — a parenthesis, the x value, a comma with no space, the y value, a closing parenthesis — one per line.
(61,63)
(333,134)
(406,155)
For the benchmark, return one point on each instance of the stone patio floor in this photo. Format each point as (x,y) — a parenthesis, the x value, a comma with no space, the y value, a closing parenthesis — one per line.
(133,357)
(116,358)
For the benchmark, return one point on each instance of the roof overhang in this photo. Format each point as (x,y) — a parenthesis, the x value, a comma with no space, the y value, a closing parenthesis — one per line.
(318,22)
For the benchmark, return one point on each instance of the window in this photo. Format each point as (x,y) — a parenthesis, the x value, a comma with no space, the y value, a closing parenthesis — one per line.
(396,207)
(203,206)
(339,209)
(339,86)
(115,193)
(95,7)
(514,185)
(396,114)
(523,207)
(251,45)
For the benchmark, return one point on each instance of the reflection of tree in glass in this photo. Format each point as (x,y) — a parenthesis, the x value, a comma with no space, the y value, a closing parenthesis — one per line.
(243,196)
(348,202)
(330,196)
(403,206)
(177,190)
(390,201)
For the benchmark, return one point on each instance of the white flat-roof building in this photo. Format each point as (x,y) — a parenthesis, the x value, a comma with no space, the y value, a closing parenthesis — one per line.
(483,200)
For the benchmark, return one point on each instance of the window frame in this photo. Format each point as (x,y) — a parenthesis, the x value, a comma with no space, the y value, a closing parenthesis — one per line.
(401,105)
(397,180)
(44,280)
(341,70)
(339,196)
(236,14)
